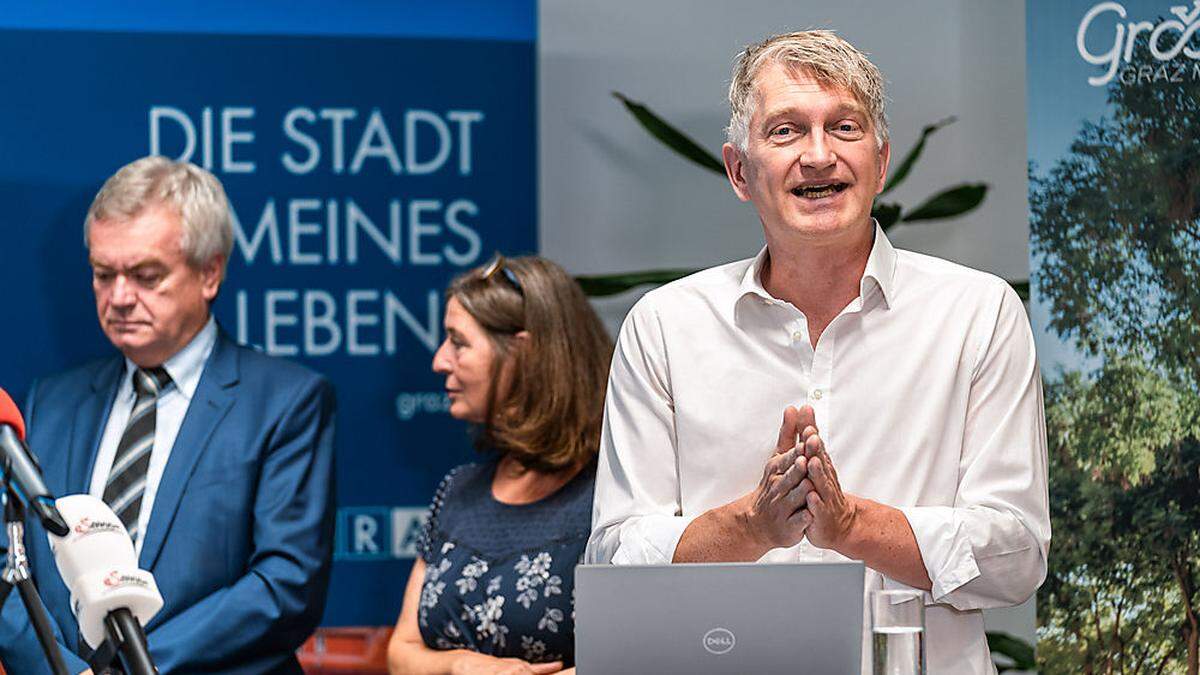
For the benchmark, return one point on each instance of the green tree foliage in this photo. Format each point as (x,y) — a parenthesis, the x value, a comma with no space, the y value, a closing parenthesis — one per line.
(1116,232)
(1117,223)
(1118,423)
(1120,596)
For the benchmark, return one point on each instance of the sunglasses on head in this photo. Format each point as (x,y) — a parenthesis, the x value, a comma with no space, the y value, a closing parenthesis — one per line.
(498,265)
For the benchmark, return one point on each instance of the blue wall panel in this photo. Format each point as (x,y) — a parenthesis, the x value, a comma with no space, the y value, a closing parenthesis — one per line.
(365,171)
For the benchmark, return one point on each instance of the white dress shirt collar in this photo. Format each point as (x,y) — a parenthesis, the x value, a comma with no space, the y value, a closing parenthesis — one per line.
(880,272)
(186,366)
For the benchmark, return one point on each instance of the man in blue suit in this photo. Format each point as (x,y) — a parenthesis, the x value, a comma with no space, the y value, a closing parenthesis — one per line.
(218,459)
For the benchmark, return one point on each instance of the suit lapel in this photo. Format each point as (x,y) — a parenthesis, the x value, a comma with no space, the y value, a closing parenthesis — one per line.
(212,400)
(90,420)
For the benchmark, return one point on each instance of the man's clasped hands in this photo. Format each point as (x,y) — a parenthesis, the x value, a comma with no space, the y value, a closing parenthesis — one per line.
(799,493)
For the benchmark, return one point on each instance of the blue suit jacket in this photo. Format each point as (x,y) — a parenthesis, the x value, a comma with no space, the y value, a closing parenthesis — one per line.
(241,531)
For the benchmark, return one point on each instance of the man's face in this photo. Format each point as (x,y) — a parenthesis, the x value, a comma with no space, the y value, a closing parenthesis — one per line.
(812,166)
(151,301)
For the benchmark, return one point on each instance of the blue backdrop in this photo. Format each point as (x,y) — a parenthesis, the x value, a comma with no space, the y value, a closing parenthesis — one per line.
(369,157)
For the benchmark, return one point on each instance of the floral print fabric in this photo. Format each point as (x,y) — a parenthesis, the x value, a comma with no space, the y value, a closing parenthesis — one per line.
(499,578)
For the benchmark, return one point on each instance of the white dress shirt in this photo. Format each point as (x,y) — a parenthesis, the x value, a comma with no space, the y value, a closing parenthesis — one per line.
(185,368)
(926,391)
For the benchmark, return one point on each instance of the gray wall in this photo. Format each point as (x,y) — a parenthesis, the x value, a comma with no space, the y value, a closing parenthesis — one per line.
(613,199)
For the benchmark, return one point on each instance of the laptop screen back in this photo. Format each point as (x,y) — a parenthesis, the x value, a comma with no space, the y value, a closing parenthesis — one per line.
(719,618)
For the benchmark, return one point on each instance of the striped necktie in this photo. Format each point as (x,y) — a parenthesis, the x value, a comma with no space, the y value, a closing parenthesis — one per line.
(127,478)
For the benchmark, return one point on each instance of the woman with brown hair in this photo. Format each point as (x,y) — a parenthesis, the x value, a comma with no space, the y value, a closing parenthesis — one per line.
(526,360)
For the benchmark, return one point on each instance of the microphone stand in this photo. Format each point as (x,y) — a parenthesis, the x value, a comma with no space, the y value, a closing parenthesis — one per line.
(126,639)
(16,573)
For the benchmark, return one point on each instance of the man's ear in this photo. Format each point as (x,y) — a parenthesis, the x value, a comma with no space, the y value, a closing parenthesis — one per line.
(210,276)
(885,157)
(735,166)
(523,337)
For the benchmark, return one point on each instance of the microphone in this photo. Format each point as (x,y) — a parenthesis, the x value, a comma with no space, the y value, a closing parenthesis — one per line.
(111,598)
(22,468)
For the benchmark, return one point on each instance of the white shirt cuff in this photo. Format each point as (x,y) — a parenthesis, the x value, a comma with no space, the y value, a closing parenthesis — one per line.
(945,547)
(650,540)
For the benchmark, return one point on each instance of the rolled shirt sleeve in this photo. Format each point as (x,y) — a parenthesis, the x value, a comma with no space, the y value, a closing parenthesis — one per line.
(990,548)
(636,513)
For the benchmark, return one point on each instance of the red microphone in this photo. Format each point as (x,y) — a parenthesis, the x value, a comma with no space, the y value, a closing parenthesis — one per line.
(20,469)
(10,414)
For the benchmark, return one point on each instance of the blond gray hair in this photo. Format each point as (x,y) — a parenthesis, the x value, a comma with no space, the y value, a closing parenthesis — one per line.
(192,192)
(820,54)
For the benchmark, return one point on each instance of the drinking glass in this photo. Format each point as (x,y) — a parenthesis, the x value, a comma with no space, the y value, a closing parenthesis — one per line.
(898,632)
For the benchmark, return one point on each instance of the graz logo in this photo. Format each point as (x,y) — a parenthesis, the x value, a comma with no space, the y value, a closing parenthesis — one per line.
(87,526)
(1165,41)
(719,641)
(116,579)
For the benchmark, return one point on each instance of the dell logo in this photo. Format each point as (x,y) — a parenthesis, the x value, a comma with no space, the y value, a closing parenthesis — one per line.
(718,641)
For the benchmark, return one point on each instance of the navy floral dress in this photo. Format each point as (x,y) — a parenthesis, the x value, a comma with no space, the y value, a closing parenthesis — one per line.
(500,578)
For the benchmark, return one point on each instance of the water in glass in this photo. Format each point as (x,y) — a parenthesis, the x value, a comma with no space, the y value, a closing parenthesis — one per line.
(899,650)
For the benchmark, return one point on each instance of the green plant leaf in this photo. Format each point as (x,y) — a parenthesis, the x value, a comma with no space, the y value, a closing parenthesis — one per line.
(887,214)
(601,285)
(670,136)
(1015,649)
(948,203)
(902,170)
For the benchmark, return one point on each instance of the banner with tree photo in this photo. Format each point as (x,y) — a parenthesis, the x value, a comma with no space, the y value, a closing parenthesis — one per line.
(1114,146)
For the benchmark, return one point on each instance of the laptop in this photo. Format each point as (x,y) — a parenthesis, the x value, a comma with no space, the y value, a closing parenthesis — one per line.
(719,619)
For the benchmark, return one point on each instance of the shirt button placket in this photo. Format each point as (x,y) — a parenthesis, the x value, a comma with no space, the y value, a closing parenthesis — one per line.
(803,350)
(818,394)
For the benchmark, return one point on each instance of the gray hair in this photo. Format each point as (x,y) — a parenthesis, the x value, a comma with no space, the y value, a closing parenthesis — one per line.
(820,54)
(191,191)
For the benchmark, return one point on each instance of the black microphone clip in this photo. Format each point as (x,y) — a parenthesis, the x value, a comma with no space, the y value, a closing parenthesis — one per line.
(126,644)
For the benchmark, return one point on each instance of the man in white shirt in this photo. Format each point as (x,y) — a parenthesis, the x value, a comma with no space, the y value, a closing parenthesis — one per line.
(913,436)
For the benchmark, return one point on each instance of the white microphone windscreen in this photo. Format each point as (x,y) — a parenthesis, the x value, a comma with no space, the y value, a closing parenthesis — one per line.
(97,539)
(97,562)
(99,592)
